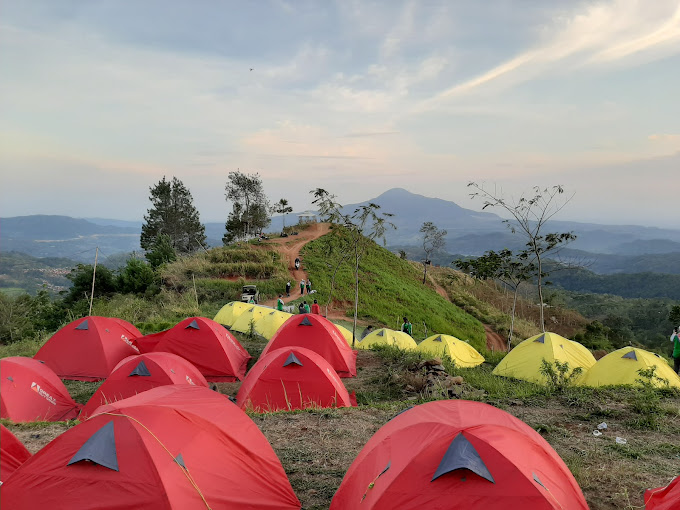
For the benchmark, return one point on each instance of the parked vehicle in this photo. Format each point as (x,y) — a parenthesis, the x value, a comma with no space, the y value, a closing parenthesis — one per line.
(250,292)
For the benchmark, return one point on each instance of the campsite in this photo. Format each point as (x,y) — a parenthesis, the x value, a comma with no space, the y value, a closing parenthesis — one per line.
(318,398)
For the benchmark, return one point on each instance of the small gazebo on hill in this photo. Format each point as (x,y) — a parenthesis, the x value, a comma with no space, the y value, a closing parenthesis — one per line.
(308,217)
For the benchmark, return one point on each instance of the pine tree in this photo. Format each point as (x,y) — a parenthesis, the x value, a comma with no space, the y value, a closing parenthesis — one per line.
(173,214)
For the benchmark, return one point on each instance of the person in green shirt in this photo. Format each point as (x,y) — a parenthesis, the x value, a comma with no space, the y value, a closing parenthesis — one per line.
(307,309)
(407,327)
(279,304)
(676,349)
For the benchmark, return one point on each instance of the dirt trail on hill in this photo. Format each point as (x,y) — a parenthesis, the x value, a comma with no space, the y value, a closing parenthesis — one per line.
(494,341)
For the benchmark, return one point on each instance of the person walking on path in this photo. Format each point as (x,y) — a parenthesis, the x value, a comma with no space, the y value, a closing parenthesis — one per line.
(302,287)
(315,307)
(288,289)
(675,338)
(279,303)
(407,327)
(309,286)
(307,310)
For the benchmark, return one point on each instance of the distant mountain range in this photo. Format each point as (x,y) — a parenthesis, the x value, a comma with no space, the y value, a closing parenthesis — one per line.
(612,247)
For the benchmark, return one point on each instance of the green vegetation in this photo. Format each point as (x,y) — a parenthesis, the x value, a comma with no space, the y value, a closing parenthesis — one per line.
(391,288)
(21,273)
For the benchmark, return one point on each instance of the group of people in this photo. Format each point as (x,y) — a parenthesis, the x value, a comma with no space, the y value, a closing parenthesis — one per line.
(303,285)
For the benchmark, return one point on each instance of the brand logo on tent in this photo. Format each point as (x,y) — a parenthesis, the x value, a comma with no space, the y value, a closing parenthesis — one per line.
(129,342)
(36,387)
(190,381)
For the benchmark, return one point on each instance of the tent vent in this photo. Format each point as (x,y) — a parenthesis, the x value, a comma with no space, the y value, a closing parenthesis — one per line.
(100,449)
(40,361)
(10,378)
(173,370)
(400,412)
(193,325)
(389,464)
(83,325)
(180,460)
(462,455)
(438,339)
(140,369)
(305,322)
(540,339)
(538,481)
(292,358)
(630,355)
(381,332)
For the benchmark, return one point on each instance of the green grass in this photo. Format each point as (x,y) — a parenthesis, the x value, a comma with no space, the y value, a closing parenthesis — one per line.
(389,289)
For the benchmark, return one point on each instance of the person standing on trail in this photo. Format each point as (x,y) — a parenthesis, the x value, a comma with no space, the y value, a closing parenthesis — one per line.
(675,338)
(407,327)
(315,308)
(288,289)
(309,286)
(279,303)
(307,310)
(302,287)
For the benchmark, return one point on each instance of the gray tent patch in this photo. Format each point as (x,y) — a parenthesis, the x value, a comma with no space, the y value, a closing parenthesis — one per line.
(630,355)
(438,339)
(381,333)
(540,339)
(305,322)
(193,325)
(180,460)
(83,325)
(140,369)
(10,378)
(538,481)
(292,358)
(389,464)
(462,455)
(100,449)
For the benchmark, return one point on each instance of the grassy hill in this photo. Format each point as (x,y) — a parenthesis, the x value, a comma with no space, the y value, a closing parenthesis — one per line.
(22,273)
(390,288)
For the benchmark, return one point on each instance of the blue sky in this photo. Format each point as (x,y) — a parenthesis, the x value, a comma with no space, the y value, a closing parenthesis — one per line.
(100,99)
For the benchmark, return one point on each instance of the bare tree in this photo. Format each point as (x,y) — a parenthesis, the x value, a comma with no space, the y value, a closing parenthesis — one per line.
(363,227)
(530,214)
(433,240)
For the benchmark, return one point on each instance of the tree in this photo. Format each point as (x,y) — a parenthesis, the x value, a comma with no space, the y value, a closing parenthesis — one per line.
(363,226)
(433,240)
(161,252)
(137,277)
(511,270)
(81,279)
(674,315)
(251,210)
(172,213)
(530,215)
(282,207)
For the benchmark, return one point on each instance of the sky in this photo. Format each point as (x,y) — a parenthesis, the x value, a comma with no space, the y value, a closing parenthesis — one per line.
(99,99)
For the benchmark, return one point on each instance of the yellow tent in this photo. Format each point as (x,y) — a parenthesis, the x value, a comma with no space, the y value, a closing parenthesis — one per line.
(270,323)
(524,361)
(230,312)
(386,336)
(346,334)
(254,313)
(462,353)
(621,367)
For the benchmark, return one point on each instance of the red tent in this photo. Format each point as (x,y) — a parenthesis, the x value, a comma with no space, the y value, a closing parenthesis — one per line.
(320,335)
(87,349)
(31,391)
(292,378)
(167,448)
(458,455)
(140,373)
(206,344)
(664,498)
(12,453)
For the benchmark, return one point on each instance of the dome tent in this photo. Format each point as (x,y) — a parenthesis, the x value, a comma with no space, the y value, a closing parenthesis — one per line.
(169,447)
(461,353)
(269,324)
(12,453)
(140,373)
(31,391)
(216,353)
(292,378)
(621,367)
(524,361)
(664,498)
(87,349)
(230,312)
(317,334)
(385,336)
(457,454)
(250,316)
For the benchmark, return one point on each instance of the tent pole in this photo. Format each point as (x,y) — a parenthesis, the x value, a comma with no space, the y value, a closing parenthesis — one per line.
(94,272)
